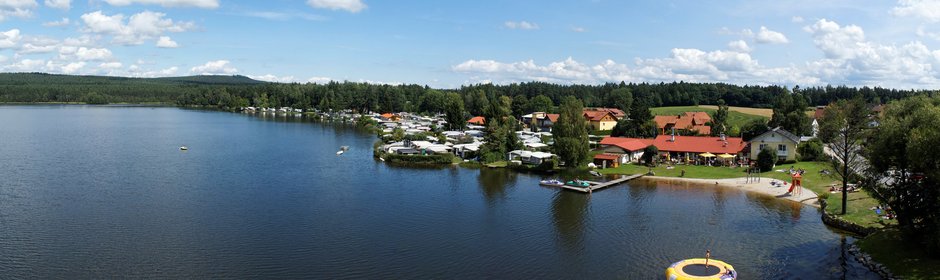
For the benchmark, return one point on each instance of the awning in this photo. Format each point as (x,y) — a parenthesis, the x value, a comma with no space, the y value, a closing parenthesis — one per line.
(725,156)
(706,154)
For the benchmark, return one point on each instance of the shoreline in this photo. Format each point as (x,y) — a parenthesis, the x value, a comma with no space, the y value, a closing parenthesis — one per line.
(807,196)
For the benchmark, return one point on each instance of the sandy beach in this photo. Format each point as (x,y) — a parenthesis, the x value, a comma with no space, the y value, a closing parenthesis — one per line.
(805,196)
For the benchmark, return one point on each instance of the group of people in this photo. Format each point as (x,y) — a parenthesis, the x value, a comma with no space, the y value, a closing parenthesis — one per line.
(884,212)
(797,171)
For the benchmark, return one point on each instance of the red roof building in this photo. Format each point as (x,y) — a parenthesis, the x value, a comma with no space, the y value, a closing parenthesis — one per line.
(693,121)
(699,144)
(627,144)
(478,120)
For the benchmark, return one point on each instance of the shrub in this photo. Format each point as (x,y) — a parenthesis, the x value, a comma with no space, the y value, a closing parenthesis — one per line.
(432,159)
(766,159)
(650,154)
(492,157)
(811,150)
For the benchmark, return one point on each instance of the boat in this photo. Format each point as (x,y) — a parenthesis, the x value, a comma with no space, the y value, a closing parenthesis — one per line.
(578,183)
(697,269)
(184,148)
(344,148)
(595,173)
(552,183)
(340,152)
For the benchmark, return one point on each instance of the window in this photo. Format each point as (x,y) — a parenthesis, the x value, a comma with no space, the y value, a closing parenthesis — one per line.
(761,147)
(782,148)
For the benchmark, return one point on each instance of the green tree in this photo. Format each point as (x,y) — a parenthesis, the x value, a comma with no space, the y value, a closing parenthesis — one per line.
(720,119)
(456,116)
(433,102)
(811,150)
(766,159)
(844,126)
(571,133)
(520,104)
(540,103)
(650,155)
(500,137)
(621,98)
(754,129)
(789,112)
(904,153)
(476,102)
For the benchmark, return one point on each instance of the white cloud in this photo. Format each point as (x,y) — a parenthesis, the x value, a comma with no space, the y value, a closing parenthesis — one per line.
(835,41)
(84,53)
(63,22)
(59,4)
(140,27)
(797,19)
(205,4)
(110,65)
(924,9)
(578,29)
(285,16)
(524,25)
(69,68)
(273,78)
(166,42)
(30,48)
(16,8)
(319,80)
(9,38)
(739,46)
(218,67)
(26,65)
(353,6)
(767,36)
(136,71)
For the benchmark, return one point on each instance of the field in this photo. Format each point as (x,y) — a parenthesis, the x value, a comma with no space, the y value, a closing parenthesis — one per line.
(738,116)
(763,112)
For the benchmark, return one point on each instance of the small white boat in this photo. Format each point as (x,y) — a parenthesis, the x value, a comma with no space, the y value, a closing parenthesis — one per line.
(340,152)
(552,183)
(344,148)
(184,148)
(382,159)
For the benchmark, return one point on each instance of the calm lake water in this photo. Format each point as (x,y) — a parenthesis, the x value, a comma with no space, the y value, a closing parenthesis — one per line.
(102,192)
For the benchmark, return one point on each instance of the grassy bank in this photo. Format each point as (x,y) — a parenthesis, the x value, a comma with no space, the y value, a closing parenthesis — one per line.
(859,202)
(735,117)
(902,258)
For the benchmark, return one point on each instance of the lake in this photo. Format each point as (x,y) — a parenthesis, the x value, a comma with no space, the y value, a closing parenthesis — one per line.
(105,192)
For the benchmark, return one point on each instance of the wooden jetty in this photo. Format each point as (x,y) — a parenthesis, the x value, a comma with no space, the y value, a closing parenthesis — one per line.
(600,185)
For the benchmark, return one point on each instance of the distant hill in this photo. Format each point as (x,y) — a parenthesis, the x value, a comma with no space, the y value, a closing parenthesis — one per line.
(41,87)
(53,79)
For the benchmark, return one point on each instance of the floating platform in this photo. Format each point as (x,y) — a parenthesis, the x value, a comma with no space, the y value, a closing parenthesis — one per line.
(600,185)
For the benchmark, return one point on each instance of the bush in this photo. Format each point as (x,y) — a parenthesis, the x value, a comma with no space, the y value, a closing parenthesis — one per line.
(786,161)
(432,159)
(650,154)
(766,159)
(492,157)
(811,150)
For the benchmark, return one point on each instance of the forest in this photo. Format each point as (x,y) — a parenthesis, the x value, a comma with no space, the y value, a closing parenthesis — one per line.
(240,91)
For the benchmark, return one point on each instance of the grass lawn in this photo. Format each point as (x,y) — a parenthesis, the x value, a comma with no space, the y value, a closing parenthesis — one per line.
(735,118)
(902,258)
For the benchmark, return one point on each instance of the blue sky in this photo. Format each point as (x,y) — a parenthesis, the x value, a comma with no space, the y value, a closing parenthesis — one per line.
(451,43)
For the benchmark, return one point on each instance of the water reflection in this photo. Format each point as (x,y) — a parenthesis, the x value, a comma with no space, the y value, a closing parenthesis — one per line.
(569,210)
(494,182)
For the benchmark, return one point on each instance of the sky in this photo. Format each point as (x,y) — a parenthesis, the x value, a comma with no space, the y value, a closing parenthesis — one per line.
(446,44)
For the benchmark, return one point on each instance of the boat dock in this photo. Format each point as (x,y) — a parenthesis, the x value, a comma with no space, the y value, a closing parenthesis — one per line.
(600,185)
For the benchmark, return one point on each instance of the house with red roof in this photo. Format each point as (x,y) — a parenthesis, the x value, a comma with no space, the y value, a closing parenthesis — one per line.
(478,120)
(688,121)
(540,121)
(691,148)
(391,117)
(620,150)
(601,119)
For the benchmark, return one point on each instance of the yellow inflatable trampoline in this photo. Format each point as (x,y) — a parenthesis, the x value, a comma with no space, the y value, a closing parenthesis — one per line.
(695,269)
